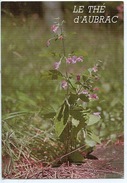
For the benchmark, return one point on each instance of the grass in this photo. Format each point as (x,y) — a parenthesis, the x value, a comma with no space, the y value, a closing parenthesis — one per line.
(26,95)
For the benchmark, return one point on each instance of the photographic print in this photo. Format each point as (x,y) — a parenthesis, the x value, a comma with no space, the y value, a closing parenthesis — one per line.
(62,89)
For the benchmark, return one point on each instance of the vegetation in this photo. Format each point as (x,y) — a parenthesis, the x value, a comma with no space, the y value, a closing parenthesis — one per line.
(27,95)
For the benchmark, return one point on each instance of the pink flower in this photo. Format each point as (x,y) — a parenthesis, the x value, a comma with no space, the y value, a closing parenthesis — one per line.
(64,85)
(68,60)
(74,59)
(93,96)
(84,92)
(54,28)
(57,65)
(97,114)
(95,69)
(61,37)
(80,59)
(95,89)
(78,77)
(48,43)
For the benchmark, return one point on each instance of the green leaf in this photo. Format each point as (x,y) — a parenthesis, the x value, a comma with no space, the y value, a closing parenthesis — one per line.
(89,142)
(77,113)
(49,115)
(84,98)
(93,119)
(76,157)
(84,78)
(72,99)
(45,75)
(59,127)
(60,114)
(65,132)
(66,113)
(51,74)
(72,84)
(55,74)
(95,138)
(75,129)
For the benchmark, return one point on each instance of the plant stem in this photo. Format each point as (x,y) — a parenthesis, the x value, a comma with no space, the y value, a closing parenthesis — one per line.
(64,51)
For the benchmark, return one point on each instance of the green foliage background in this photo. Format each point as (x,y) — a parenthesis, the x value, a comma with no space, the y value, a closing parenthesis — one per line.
(26,95)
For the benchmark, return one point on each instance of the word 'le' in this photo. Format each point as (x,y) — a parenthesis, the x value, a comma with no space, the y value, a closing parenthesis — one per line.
(91,9)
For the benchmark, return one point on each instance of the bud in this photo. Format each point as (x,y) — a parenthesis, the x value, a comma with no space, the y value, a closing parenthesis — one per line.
(60,37)
(78,77)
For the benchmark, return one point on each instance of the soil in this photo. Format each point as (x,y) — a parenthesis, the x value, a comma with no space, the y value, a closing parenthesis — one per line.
(110,164)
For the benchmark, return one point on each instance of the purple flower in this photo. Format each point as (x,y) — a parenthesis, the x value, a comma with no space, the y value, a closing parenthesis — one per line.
(80,59)
(84,92)
(93,96)
(97,114)
(69,60)
(64,85)
(57,65)
(54,28)
(74,59)
(95,69)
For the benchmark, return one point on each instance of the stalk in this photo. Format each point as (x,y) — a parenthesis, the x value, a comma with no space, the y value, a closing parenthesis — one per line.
(68,140)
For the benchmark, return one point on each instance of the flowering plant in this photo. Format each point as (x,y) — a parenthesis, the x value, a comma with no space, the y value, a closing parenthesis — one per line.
(74,118)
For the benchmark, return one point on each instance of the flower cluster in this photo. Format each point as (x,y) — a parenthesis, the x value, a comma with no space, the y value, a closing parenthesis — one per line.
(95,68)
(74,59)
(54,28)
(90,95)
(64,85)
(93,96)
(57,65)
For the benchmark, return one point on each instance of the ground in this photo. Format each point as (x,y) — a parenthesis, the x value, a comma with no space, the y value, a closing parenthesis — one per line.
(110,164)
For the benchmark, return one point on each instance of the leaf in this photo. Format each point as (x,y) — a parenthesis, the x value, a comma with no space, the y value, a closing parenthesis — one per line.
(55,74)
(66,113)
(61,119)
(93,119)
(75,122)
(45,75)
(65,132)
(72,84)
(49,115)
(75,129)
(60,114)
(84,98)
(90,70)
(89,142)
(72,99)
(77,113)
(76,157)
(59,127)
(84,78)
(95,138)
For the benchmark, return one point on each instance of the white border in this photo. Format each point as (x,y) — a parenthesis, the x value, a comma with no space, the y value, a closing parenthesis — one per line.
(125,121)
